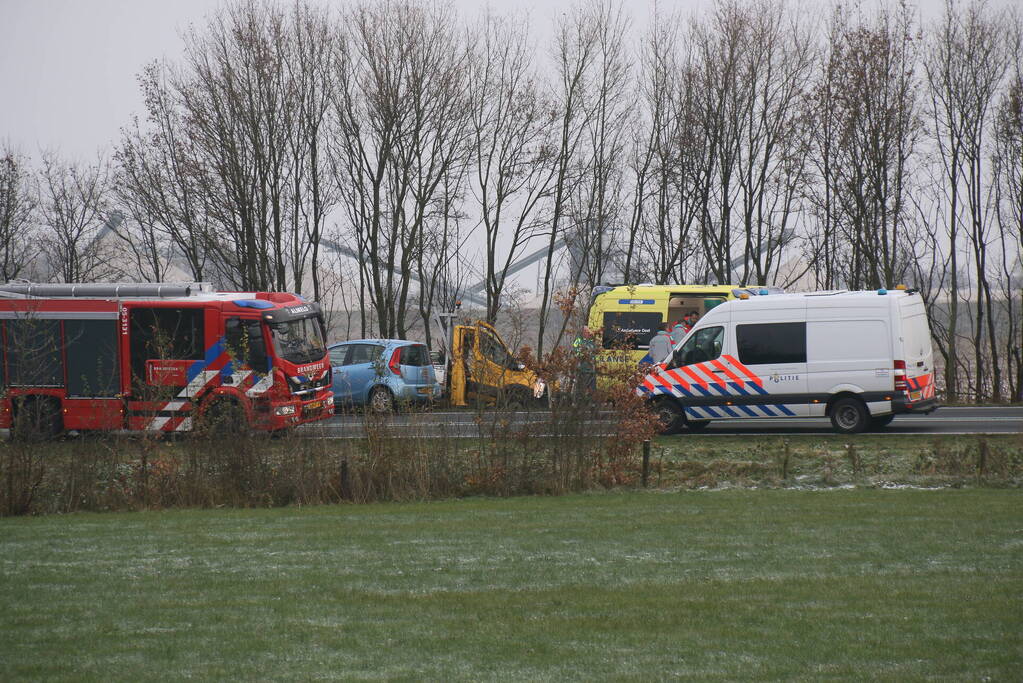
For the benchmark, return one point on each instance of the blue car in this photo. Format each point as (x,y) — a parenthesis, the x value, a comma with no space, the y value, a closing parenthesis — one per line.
(380,373)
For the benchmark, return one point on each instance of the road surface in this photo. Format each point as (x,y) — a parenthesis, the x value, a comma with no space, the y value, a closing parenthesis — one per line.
(996,420)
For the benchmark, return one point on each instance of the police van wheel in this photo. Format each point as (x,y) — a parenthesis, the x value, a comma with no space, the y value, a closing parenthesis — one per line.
(669,415)
(849,416)
(697,425)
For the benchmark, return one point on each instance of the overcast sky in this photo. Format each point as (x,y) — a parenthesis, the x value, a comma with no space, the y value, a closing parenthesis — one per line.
(68,67)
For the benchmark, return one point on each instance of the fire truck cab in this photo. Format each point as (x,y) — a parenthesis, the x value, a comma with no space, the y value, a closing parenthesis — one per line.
(159,357)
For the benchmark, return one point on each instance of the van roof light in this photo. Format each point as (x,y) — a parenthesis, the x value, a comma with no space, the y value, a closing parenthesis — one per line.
(744,296)
(900,286)
(763,292)
(882,291)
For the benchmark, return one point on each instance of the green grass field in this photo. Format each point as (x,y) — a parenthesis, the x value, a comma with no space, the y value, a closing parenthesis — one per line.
(763,584)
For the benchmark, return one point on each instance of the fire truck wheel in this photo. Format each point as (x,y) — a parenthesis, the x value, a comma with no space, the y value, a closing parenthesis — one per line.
(223,418)
(695,426)
(37,418)
(380,400)
(669,414)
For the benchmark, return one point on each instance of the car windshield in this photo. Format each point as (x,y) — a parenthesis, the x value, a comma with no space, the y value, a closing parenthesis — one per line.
(299,341)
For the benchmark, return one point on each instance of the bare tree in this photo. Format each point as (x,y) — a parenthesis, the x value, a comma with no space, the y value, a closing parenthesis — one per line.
(402,131)
(596,204)
(513,150)
(159,179)
(17,213)
(575,45)
(1008,181)
(965,66)
(72,211)
(875,108)
(229,172)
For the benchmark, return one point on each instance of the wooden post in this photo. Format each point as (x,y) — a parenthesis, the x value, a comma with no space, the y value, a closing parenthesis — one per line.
(646,462)
(346,489)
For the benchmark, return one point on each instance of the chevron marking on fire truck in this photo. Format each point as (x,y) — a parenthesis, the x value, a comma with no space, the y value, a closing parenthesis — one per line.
(261,386)
(199,377)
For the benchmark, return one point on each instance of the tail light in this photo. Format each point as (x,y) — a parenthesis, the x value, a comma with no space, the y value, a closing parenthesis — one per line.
(900,376)
(395,363)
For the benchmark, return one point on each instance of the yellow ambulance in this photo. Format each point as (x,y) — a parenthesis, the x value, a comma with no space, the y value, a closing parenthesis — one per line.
(627,316)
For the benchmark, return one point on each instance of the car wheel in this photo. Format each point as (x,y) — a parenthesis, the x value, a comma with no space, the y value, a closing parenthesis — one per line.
(380,400)
(697,425)
(849,416)
(669,414)
(881,421)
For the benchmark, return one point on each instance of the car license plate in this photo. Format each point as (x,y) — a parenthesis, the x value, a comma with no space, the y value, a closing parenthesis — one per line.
(914,396)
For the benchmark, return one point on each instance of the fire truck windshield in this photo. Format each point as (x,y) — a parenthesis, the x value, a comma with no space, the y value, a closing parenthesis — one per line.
(299,341)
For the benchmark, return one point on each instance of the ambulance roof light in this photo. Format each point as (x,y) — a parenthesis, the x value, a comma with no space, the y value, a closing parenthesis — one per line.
(882,291)
(900,287)
(744,296)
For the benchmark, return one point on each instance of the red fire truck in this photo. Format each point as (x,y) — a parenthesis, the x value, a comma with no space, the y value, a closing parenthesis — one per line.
(159,357)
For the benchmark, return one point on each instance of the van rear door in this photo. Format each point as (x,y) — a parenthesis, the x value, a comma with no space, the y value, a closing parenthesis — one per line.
(915,338)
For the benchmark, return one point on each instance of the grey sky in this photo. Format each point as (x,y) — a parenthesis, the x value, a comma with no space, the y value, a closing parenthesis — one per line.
(68,67)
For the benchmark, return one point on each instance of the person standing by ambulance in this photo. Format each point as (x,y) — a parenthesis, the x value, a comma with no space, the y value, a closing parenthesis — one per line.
(660,346)
(680,330)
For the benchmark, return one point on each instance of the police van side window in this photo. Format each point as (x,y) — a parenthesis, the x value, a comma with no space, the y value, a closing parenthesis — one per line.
(771,343)
(701,347)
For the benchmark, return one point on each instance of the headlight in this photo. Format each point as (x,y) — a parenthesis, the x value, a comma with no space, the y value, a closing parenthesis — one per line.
(285,410)
(538,388)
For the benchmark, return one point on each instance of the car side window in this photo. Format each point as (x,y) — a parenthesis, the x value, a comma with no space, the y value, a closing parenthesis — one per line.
(767,343)
(363,353)
(701,347)
(337,355)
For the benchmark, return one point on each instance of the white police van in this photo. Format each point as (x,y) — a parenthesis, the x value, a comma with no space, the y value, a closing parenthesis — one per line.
(859,358)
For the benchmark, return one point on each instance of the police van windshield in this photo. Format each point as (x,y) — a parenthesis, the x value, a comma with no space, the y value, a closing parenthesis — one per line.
(299,341)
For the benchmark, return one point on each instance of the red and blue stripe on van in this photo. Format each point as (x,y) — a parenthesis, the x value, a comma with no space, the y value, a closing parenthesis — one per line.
(721,380)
